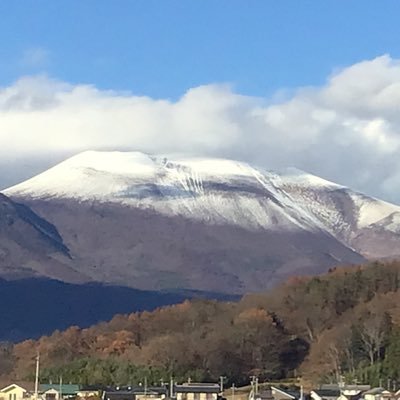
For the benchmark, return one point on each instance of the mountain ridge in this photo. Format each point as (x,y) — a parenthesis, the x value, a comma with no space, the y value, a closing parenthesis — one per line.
(201,223)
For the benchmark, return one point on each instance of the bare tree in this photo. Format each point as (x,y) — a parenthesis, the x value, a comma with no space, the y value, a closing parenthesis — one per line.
(334,355)
(373,332)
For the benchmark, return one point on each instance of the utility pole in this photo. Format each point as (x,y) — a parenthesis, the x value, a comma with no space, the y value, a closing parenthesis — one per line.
(252,386)
(221,384)
(37,376)
(145,387)
(60,394)
(233,391)
(256,386)
(171,388)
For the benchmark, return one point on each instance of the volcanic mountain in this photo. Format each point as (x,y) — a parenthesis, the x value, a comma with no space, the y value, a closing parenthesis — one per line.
(163,222)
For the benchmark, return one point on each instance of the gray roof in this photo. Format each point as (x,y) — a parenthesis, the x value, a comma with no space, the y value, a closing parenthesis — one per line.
(197,388)
(377,390)
(335,386)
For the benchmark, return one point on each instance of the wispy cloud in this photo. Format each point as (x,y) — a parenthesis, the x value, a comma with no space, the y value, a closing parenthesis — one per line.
(347,130)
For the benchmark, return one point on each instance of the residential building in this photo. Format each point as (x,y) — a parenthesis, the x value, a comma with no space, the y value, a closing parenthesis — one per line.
(136,393)
(378,393)
(58,392)
(285,394)
(197,391)
(325,394)
(17,392)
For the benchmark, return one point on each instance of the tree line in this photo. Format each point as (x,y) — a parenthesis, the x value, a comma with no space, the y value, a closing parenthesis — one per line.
(343,325)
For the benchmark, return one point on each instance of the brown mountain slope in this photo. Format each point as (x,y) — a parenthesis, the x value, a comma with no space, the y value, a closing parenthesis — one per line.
(31,246)
(140,248)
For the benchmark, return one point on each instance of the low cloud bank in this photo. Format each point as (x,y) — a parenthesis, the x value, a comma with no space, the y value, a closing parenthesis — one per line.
(347,131)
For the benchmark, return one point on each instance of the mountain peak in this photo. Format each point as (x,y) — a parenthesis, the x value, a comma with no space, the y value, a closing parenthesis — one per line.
(212,190)
(159,220)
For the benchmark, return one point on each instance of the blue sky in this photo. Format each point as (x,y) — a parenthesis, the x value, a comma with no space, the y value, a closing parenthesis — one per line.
(162,48)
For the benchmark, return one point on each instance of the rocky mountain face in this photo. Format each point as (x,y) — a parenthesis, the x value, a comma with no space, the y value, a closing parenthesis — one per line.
(31,246)
(156,222)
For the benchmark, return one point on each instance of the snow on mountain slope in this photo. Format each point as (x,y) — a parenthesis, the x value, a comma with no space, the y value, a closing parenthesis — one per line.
(156,222)
(214,191)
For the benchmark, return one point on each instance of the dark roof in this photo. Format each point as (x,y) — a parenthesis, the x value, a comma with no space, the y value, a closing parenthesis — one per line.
(327,392)
(335,386)
(130,391)
(136,388)
(197,388)
(361,388)
(92,388)
(328,386)
(118,395)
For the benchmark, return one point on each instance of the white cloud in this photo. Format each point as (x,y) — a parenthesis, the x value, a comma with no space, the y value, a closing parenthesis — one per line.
(347,130)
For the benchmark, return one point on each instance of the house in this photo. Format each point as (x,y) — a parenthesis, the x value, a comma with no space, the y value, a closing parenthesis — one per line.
(197,391)
(285,394)
(378,394)
(57,392)
(265,394)
(118,395)
(353,392)
(136,393)
(347,392)
(153,393)
(17,392)
(325,394)
(88,391)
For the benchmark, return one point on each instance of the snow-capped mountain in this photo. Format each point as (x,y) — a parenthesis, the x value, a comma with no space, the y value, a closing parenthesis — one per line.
(286,222)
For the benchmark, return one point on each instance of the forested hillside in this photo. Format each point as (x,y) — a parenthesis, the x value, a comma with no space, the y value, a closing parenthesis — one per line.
(344,323)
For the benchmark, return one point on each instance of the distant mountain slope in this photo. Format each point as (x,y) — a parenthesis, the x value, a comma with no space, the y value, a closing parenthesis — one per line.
(166,222)
(31,246)
(34,307)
